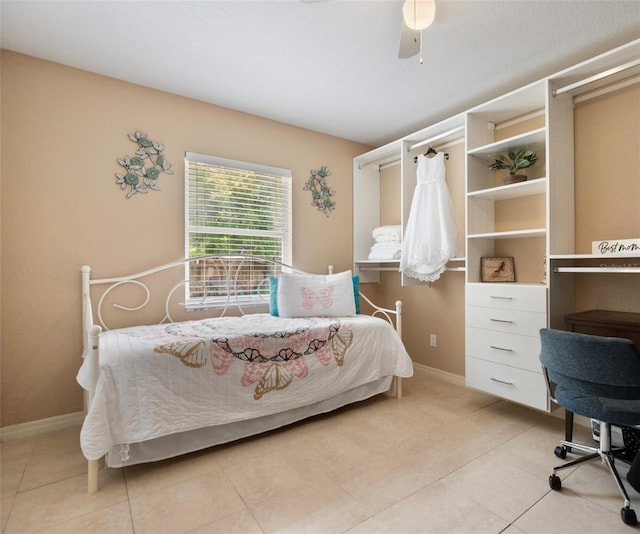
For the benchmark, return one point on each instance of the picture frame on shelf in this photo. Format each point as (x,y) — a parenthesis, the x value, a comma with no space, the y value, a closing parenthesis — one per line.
(497,269)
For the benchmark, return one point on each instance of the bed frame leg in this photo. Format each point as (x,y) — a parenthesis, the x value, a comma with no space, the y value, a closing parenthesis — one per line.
(397,387)
(93,468)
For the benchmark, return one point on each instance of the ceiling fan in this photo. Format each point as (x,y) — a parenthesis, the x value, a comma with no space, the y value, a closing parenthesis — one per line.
(416,16)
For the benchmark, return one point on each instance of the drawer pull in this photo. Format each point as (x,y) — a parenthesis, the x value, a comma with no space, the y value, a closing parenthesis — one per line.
(502,381)
(499,297)
(501,348)
(500,320)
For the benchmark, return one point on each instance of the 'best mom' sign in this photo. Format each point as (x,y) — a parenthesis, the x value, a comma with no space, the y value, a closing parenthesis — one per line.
(616,247)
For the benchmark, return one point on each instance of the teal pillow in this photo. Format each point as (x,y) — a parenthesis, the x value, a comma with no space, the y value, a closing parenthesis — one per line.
(273,294)
(356,291)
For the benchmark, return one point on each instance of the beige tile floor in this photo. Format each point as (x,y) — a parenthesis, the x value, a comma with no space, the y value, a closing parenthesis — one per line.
(442,459)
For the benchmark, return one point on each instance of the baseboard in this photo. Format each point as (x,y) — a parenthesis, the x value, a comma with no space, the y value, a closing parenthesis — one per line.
(437,373)
(33,428)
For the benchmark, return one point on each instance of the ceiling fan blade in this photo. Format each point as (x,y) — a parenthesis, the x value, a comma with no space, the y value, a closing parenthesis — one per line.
(409,42)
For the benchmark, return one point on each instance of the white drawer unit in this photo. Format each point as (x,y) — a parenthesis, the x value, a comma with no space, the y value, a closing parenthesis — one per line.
(504,348)
(518,385)
(503,323)
(507,297)
(510,321)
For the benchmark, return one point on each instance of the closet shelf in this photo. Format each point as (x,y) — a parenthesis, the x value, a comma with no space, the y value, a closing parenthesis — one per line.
(505,284)
(377,265)
(534,232)
(381,155)
(618,263)
(594,257)
(617,269)
(394,265)
(363,262)
(451,135)
(380,269)
(503,192)
(534,139)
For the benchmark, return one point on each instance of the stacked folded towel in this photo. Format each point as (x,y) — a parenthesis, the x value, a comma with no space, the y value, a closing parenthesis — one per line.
(384,234)
(387,244)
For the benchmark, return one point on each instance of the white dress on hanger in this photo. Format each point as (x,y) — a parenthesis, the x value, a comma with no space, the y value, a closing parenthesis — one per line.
(431,236)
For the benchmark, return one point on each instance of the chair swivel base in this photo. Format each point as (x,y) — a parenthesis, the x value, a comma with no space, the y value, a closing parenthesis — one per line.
(627,514)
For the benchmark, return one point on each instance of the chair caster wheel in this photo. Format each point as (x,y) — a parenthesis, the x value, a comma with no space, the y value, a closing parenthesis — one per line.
(628,516)
(556,484)
(560,452)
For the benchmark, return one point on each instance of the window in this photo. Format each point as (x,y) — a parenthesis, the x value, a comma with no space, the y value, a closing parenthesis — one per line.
(234,207)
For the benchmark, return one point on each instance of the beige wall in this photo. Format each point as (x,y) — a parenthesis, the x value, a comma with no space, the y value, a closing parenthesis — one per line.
(607,182)
(62,132)
(607,168)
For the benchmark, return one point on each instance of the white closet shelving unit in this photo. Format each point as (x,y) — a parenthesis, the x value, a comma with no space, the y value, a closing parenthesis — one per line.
(503,320)
(367,198)
(366,207)
(606,73)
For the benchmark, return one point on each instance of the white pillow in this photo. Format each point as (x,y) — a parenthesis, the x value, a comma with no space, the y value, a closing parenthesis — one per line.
(316,295)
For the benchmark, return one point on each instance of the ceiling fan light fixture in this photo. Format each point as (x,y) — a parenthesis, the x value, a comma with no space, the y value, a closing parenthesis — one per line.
(418,14)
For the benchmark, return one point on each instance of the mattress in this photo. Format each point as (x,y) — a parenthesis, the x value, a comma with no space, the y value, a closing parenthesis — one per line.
(163,382)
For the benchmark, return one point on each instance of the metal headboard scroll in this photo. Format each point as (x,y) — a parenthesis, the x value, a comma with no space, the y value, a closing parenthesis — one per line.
(120,306)
(232,295)
(232,267)
(386,313)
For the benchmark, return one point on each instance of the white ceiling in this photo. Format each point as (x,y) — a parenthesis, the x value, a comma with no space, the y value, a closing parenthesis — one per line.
(330,66)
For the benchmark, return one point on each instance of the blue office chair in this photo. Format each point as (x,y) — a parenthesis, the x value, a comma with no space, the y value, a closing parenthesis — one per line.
(596,377)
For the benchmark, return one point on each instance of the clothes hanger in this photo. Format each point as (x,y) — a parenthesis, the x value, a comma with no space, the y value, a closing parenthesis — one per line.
(429,153)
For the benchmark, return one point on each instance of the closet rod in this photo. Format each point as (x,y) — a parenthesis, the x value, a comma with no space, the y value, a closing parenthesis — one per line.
(436,138)
(385,163)
(595,77)
(385,160)
(521,118)
(606,89)
(612,269)
(389,164)
(441,147)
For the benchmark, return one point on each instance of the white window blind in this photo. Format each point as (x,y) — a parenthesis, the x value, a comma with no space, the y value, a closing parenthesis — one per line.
(233,207)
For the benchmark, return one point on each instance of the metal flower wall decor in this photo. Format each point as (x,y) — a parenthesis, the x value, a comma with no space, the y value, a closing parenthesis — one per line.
(143,169)
(321,193)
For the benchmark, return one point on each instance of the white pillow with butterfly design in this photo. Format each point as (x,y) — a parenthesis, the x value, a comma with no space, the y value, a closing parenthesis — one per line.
(316,295)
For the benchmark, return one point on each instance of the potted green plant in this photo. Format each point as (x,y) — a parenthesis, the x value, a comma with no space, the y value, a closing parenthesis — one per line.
(514,161)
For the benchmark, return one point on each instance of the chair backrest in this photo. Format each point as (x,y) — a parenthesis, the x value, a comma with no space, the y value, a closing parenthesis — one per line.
(591,365)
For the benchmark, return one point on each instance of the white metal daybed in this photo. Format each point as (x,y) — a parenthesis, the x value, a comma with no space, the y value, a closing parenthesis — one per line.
(160,390)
